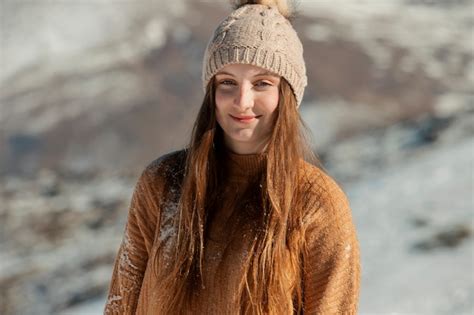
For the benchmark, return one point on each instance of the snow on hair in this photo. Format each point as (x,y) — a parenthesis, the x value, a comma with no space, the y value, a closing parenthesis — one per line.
(282,5)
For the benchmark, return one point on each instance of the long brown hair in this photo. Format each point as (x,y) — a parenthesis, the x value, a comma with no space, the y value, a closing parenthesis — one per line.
(272,281)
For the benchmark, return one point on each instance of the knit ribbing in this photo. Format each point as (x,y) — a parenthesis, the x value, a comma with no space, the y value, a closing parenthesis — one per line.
(243,167)
(331,268)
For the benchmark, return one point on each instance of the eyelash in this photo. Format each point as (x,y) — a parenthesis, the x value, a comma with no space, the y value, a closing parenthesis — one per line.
(263,83)
(224,82)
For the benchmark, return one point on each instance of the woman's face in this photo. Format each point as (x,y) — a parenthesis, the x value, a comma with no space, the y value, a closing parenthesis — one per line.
(246,100)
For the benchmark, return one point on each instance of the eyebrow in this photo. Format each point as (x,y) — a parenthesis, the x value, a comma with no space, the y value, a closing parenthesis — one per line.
(269,73)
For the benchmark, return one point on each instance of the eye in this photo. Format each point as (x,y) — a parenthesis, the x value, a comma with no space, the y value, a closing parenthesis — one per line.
(263,84)
(226,82)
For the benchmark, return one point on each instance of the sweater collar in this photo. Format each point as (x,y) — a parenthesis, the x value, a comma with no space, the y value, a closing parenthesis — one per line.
(244,166)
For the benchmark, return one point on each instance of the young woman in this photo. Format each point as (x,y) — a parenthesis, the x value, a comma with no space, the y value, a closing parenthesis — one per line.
(244,220)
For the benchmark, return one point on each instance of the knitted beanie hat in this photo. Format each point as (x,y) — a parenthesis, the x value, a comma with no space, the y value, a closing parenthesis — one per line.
(258,33)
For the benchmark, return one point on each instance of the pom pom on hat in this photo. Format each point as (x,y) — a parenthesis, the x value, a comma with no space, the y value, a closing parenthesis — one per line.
(282,5)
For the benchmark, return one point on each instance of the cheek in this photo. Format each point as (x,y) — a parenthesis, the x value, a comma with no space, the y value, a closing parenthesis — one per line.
(219,108)
(222,97)
(220,101)
(219,115)
(271,103)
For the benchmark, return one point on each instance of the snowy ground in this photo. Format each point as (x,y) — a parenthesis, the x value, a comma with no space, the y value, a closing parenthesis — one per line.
(95,307)
(408,205)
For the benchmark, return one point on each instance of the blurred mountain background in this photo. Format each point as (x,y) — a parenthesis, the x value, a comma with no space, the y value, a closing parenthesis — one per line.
(93,90)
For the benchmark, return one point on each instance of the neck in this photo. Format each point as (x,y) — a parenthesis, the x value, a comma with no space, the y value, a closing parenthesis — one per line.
(246,147)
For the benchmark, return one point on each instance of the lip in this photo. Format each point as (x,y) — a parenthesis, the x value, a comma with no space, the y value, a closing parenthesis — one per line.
(244,119)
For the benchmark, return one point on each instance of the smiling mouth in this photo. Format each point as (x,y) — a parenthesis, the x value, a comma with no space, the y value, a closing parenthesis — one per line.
(245,119)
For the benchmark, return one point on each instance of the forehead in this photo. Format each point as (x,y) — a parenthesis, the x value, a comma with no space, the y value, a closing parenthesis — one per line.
(244,70)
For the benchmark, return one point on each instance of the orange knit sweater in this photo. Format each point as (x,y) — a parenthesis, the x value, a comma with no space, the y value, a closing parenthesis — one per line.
(331,267)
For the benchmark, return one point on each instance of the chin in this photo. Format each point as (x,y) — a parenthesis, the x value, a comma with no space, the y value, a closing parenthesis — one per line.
(243,137)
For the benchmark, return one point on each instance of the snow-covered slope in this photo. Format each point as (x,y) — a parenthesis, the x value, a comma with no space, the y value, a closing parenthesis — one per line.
(415,225)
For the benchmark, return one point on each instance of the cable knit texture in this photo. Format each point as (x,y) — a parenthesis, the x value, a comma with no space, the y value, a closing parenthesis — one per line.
(331,268)
(258,35)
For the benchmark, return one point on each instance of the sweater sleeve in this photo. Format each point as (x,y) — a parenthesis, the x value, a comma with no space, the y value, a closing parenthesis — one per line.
(331,260)
(132,257)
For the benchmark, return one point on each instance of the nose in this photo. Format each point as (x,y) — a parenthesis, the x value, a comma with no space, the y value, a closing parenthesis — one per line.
(245,98)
